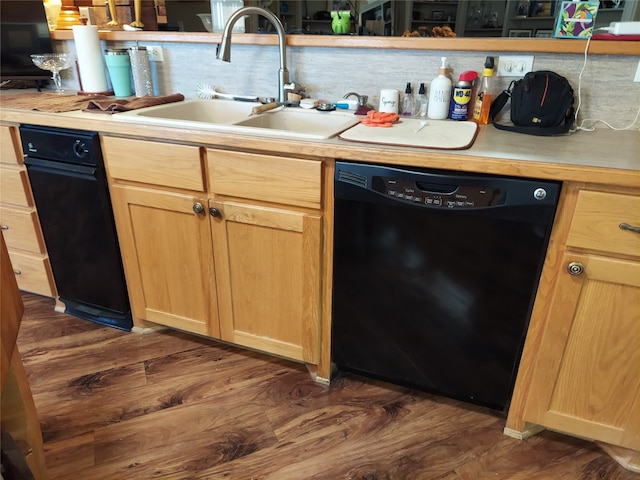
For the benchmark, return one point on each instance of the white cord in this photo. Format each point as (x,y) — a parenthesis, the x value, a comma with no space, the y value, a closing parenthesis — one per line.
(594,120)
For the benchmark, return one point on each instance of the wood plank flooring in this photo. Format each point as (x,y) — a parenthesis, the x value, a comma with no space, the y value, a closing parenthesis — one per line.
(117,405)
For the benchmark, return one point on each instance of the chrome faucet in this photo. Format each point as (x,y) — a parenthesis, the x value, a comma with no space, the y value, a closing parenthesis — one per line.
(224,50)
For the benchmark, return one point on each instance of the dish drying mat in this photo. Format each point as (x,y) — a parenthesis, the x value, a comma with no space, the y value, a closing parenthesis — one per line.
(440,134)
(53,102)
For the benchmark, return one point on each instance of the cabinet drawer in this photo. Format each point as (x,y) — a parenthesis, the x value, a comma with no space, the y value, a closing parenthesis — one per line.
(33,272)
(291,181)
(21,229)
(10,148)
(156,163)
(14,187)
(596,222)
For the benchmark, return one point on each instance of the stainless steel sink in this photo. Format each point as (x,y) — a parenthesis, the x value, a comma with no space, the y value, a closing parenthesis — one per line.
(234,116)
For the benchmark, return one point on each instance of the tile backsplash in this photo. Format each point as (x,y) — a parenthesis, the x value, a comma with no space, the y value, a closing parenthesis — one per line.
(607,90)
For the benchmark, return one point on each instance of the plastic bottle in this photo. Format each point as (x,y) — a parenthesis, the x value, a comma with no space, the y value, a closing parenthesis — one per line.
(408,101)
(485,94)
(421,103)
(440,94)
(462,95)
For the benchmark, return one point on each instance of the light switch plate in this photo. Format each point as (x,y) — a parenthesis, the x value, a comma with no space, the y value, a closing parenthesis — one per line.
(155,53)
(514,65)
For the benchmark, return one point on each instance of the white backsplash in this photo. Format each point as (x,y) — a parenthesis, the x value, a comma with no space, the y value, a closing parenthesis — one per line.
(608,92)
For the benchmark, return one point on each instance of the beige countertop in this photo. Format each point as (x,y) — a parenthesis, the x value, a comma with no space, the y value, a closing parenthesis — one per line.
(601,156)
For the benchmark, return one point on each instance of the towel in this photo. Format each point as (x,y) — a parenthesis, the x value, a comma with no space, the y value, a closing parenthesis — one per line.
(53,102)
(46,102)
(108,105)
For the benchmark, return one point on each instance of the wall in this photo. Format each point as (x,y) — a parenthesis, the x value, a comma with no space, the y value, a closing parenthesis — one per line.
(607,91)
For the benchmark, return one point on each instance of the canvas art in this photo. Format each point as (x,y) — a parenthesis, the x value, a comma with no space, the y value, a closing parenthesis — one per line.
(576,19)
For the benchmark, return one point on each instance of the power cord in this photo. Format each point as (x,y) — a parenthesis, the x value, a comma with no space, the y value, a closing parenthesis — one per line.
(594,120)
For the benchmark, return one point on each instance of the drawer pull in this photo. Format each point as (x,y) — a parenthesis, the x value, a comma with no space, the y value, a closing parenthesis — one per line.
(17,272)
(575,268)
(5,227)
(631,228)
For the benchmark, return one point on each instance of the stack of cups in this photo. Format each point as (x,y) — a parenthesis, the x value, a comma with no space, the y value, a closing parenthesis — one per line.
(119,67)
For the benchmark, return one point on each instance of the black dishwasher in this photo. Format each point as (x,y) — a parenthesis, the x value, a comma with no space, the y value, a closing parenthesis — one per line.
(68,181)
(435,274)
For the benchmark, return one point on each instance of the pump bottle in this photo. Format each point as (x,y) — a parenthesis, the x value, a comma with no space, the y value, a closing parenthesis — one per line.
(485,94)
(440,94)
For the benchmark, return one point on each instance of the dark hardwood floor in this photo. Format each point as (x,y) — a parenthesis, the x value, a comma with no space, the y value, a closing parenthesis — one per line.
(117,405)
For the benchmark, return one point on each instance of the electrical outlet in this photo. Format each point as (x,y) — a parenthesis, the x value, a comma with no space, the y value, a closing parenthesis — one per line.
(637,77)
(514,65)
(155,53)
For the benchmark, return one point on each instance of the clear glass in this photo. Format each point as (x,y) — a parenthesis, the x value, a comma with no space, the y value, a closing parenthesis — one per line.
(54,62)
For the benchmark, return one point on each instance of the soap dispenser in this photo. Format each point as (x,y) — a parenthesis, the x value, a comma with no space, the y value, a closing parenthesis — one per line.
(440,94)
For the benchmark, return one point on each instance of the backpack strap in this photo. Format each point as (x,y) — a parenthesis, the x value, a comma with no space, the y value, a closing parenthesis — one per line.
(501,100)
(498,104)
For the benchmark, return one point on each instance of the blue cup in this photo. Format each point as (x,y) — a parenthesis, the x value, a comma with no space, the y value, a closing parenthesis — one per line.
(119,68)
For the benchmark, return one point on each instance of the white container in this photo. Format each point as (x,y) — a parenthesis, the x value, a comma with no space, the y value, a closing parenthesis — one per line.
(389,100)
(440,94)
(221,10)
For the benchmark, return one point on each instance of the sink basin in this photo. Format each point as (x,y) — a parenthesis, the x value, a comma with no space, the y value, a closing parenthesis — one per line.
(301,123)
(184,114)
(234,116)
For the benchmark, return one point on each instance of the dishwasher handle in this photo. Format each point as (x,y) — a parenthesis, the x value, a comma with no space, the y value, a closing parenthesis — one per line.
(60,168)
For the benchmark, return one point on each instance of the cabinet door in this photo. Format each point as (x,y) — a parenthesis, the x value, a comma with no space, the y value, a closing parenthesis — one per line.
(587,380)
(166,248)
(268,271)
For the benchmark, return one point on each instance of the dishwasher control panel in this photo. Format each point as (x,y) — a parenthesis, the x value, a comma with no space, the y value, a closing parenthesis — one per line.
(438,195)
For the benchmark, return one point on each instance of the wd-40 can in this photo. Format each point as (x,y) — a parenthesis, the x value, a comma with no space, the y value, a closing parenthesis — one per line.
(461,96)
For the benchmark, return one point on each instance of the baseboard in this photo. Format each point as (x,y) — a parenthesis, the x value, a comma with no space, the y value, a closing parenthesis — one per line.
(146,330)
(629,459)
(530,429)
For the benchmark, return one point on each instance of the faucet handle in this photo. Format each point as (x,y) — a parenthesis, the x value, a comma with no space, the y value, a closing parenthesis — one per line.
(362,99)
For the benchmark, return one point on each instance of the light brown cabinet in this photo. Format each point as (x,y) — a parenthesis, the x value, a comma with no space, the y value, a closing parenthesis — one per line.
(234,254)
(165,244)
(585,375)
(167,258)
(267,249)
(19,219)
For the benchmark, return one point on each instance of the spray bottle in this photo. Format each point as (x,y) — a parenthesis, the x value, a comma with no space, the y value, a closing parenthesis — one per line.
(407,101)
(440,94)
(421,102)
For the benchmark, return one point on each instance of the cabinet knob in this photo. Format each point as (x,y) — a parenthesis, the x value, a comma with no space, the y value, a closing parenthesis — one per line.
(198,208)
(17,272)
(5,227)
(575,268)
(631,228)
(214,212)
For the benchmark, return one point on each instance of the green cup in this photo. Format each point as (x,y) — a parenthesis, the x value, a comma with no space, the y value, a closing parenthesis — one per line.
(119,68)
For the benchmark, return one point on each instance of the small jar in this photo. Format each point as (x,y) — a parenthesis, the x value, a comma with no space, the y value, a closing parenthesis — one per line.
(141,71)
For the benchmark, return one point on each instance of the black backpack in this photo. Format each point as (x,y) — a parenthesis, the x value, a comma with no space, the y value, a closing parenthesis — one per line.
(541,104)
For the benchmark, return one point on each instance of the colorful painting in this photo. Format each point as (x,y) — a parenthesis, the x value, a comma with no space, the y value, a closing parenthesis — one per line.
(576,19)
